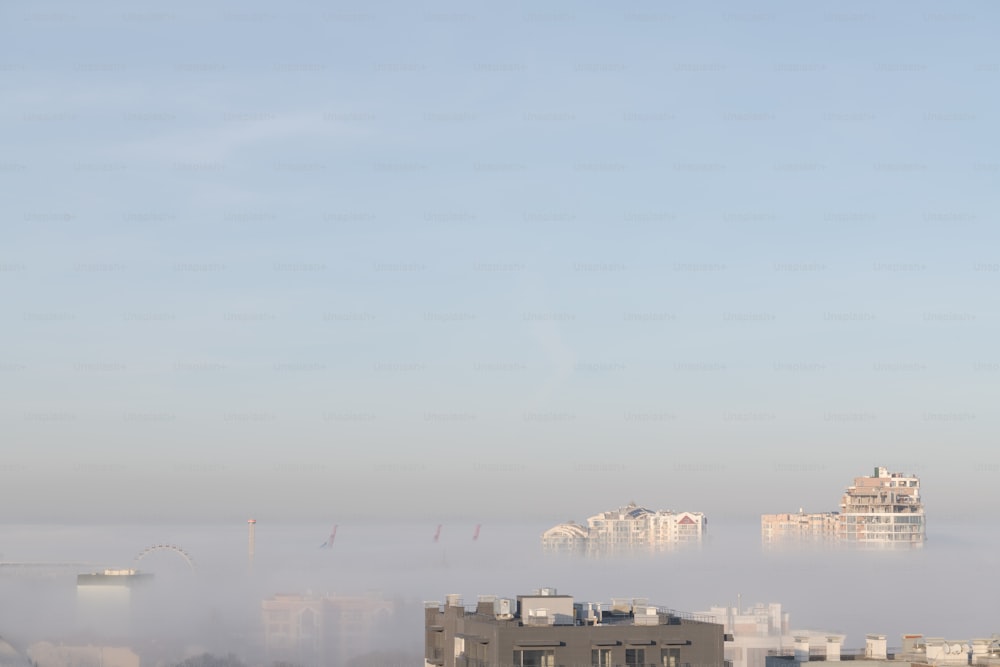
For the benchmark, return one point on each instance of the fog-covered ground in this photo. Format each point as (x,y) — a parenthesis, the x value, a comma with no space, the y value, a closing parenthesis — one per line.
(946,589)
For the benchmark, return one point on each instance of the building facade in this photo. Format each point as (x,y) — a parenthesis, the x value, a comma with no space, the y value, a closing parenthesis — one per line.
(545,629)
(628,527)
(105,602)
(755,632)
(881,511)
(47,654)
(914,651)
(801,528)
(313,630)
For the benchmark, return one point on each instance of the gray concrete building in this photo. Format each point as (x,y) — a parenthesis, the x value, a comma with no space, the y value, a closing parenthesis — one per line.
(546,629)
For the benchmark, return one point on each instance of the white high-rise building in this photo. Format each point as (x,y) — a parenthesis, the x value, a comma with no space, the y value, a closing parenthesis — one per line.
(882,510)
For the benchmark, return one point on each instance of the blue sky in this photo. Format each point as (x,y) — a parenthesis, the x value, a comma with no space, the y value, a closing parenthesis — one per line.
(498,260)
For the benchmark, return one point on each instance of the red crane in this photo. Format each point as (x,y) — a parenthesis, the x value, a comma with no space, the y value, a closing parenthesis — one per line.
(329,541)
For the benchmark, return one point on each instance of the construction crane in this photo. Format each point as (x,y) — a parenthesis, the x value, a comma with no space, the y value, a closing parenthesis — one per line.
(329,541)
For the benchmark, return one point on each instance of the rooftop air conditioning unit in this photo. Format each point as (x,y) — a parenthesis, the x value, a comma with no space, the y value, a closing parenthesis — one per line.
(621,605)
(588,613)
(503,608)
(540,617)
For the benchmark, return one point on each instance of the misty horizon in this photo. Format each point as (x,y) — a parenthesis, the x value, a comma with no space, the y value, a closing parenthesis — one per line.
(421,281)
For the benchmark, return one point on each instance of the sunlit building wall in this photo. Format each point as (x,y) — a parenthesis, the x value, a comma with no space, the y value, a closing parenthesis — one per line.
(628,527)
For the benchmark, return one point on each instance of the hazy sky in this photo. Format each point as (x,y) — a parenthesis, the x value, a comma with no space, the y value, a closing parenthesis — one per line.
(501,260)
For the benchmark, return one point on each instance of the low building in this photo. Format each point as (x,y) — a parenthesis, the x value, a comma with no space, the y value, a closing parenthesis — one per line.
(47,654)
(569,537)
(105,602)
(800,529)
(312,630)
(755,632)
(915,650)
(546,629)
(628,528)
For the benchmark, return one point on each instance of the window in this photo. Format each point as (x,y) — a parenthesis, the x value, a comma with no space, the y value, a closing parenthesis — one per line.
(600,657)
(634,657)
(534,658)
(670,657)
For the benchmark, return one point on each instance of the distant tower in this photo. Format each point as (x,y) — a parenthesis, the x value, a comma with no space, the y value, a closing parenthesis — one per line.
(251,524)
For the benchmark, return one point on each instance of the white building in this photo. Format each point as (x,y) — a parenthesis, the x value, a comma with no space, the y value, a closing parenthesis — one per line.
(915,651)
(882,510)
(754,633)
(104,601)
(628,527)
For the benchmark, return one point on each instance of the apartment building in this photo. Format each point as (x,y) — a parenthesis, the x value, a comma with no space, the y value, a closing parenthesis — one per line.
(883,510)
(800,528)
(628,527)
(753,633)
(313,630)
(545,629)
(914,651)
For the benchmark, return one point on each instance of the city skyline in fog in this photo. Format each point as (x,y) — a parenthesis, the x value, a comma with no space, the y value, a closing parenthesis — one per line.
(494,263)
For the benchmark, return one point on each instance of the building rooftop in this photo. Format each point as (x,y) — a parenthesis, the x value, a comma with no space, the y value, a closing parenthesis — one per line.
(546,607)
